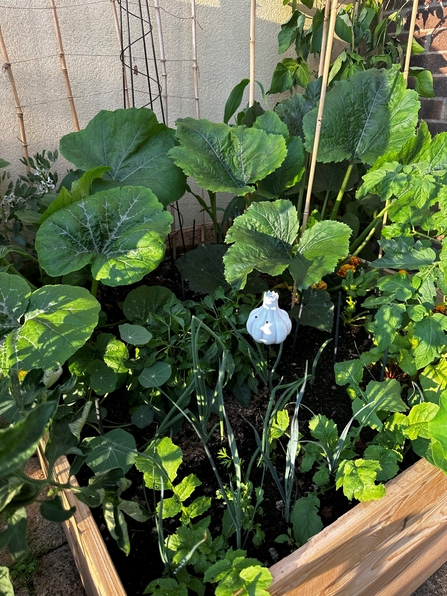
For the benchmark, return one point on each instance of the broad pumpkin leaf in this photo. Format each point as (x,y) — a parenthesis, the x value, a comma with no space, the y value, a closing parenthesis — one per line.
(13,536)
(19,441)
(293,109)
(226,159)
(203,268)
(318,309)
(14,299)
(134,145)
(120,232)
(322,246)
(288,174)
(365,116)
(58,320)
(262,239)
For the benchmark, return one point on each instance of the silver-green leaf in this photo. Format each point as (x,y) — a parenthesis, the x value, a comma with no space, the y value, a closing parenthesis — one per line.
(119,232)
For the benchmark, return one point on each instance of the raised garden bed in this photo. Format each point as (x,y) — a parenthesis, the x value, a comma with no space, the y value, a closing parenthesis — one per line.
(387,547)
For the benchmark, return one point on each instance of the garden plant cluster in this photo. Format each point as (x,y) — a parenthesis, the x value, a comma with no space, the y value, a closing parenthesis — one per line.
(375,237)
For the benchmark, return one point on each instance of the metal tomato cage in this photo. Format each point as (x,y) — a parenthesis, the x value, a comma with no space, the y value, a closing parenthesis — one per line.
(141,80)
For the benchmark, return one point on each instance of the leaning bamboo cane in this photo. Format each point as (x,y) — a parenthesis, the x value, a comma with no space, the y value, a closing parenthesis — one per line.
(19,111)
(64,66)
(120,44)
(406,71)
(327,10)
(164,72)
(325,75)
(251,99)
(414,12)
(195,69)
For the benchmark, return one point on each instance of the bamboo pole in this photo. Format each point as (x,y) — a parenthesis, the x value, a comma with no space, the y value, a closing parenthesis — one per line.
(19,111)
(64,66)
(327,10)
(120,45)
(410,38)
(251,99)
(195,69)
(406,70)
(325,75)
(164,72)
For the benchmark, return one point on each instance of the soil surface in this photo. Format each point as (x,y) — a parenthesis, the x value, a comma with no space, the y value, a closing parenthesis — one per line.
(322,396)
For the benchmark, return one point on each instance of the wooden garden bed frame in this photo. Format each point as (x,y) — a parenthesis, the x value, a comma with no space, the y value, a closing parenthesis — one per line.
(380,548)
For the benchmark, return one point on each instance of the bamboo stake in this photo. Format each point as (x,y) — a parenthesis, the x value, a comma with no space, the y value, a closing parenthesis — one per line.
(327,62)
(410,38)
(327,10)
(64,66)
(19,111)
(120,45)
(251,99)
(406,70)
(164,72)
(195,69)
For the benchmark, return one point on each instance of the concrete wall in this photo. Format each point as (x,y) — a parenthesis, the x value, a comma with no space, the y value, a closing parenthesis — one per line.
(91,50)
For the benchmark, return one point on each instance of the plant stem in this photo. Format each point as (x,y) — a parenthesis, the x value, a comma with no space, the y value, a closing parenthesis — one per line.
(94,288)
(367,232)
(341,192)
(326,198)
(6,263)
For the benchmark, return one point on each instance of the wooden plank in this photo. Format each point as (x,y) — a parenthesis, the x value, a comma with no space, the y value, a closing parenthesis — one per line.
(92,559)
(381,548)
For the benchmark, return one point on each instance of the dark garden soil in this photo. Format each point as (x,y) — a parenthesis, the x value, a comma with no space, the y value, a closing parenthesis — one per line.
(323,397)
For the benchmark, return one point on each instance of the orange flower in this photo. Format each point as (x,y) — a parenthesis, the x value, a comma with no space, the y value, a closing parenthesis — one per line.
(344,269)
(321,285)
(354,261)
(405,272)
(442,308)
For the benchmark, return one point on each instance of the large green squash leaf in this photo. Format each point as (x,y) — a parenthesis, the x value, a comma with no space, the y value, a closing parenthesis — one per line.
(14,298)
(263,239)
(364,117)
(56,322)
(226,159)
(322,246)
(134,145)
(120,232)
(19,441)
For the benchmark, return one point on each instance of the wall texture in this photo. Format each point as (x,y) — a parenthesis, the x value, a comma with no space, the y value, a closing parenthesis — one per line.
(91,49)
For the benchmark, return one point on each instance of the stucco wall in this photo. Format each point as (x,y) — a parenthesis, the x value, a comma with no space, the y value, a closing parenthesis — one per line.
(91,51)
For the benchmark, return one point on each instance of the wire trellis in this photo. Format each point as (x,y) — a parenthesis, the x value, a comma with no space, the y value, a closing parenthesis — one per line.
(141,81)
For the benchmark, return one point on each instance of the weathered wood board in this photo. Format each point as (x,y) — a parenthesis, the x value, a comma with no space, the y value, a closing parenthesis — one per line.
(92,559)
(380,548)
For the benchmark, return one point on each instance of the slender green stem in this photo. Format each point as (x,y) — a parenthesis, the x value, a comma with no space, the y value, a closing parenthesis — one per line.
(326,198)
(366,234)
(341,192)
(213,214)
(6,263)
(94,288)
